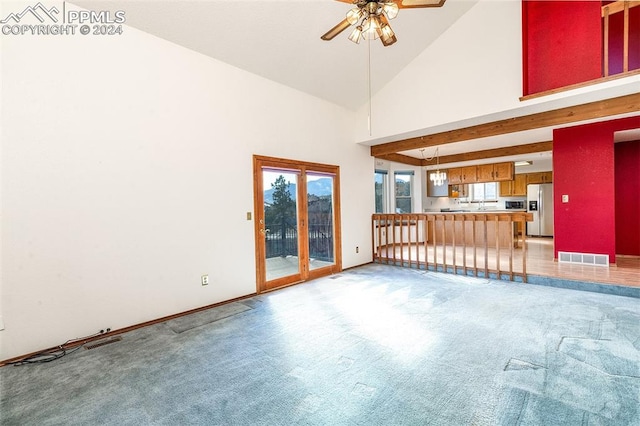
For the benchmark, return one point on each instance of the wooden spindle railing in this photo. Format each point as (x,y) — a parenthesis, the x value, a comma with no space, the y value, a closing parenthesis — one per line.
(611,9)
(480,244)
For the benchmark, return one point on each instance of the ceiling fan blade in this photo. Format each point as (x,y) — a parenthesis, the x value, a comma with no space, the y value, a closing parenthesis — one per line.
(408,4)
(342,25)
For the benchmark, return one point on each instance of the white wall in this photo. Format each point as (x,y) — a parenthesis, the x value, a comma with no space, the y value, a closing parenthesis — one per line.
(418,184)
(127,173)
(457,77)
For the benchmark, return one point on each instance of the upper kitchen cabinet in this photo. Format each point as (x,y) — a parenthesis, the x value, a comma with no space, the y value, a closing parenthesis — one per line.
(514,188)
(469,174)
(459,175)
(495,172)
(539,177)
(455,176)
(485,172)
(503,171)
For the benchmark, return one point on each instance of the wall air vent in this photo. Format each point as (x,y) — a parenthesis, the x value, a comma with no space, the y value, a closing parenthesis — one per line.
(583,258)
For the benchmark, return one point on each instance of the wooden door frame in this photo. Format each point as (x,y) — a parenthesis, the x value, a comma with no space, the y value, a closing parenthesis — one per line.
(304,167)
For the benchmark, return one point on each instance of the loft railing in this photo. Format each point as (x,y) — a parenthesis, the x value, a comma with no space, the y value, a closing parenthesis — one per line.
(610,9)
(491,245)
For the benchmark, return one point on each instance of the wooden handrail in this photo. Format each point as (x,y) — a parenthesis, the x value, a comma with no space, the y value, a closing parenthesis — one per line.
(478,244)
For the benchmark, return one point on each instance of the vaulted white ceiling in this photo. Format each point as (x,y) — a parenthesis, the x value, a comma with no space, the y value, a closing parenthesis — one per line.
(280,39)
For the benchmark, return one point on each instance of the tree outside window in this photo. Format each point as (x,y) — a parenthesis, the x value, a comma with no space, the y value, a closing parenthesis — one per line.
(381,191)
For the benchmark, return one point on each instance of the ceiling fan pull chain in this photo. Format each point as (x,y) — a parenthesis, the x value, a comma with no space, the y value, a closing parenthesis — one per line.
(369,81)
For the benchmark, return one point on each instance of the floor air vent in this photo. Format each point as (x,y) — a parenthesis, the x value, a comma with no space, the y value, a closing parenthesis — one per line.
(102,342)
(583,258)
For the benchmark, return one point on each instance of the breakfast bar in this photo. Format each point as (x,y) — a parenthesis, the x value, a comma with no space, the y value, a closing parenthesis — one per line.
(478,227)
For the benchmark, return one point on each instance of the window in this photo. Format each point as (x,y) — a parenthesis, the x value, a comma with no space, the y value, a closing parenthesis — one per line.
(381,182)
(403,191)
(483,191)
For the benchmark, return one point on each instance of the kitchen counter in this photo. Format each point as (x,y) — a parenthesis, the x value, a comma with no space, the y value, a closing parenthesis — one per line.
(472,231)
(480,211)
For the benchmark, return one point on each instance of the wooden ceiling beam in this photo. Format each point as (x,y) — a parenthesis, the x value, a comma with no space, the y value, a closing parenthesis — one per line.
(404,159)
(493,153)
(593,110)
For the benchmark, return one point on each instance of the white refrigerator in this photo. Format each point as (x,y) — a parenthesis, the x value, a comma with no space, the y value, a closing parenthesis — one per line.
(540,204)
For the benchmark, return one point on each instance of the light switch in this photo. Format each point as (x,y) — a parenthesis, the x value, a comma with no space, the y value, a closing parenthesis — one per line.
(248,215)
(565,198)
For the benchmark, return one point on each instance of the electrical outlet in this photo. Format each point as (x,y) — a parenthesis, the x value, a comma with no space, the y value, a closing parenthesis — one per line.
(205,279)
(357,249)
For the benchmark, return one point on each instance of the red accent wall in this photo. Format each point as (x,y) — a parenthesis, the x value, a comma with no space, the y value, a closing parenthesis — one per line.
(584,169)
(562,43)
(627,174)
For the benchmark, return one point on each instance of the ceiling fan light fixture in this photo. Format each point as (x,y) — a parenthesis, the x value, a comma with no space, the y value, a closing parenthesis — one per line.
(354,15)
(356,35)
(387,35)
(390,9)
(371,28)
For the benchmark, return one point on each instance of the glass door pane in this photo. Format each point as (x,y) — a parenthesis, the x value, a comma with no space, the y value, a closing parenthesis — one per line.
(281,223)
(320,220)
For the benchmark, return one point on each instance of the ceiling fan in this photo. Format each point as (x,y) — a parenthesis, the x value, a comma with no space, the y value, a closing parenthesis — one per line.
(371,19)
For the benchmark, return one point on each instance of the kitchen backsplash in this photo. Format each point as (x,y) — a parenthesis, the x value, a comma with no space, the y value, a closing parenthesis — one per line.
(436,204)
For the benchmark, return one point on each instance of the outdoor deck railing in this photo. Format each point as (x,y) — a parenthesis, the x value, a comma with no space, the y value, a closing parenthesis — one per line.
(478,244)
(282,240)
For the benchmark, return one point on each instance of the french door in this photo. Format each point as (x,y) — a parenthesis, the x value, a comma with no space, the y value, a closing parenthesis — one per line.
(297,221)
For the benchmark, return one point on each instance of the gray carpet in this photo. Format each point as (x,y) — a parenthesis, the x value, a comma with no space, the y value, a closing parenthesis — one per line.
(198,319)
(375,345)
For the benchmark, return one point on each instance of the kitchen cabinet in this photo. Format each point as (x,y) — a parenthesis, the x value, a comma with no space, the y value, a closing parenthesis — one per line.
(455,176)
(469,174)
(519,186)
(514,188)
(539,177)
(485,172)
(506,188)
(495,172)
(459,175)
(503,171)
